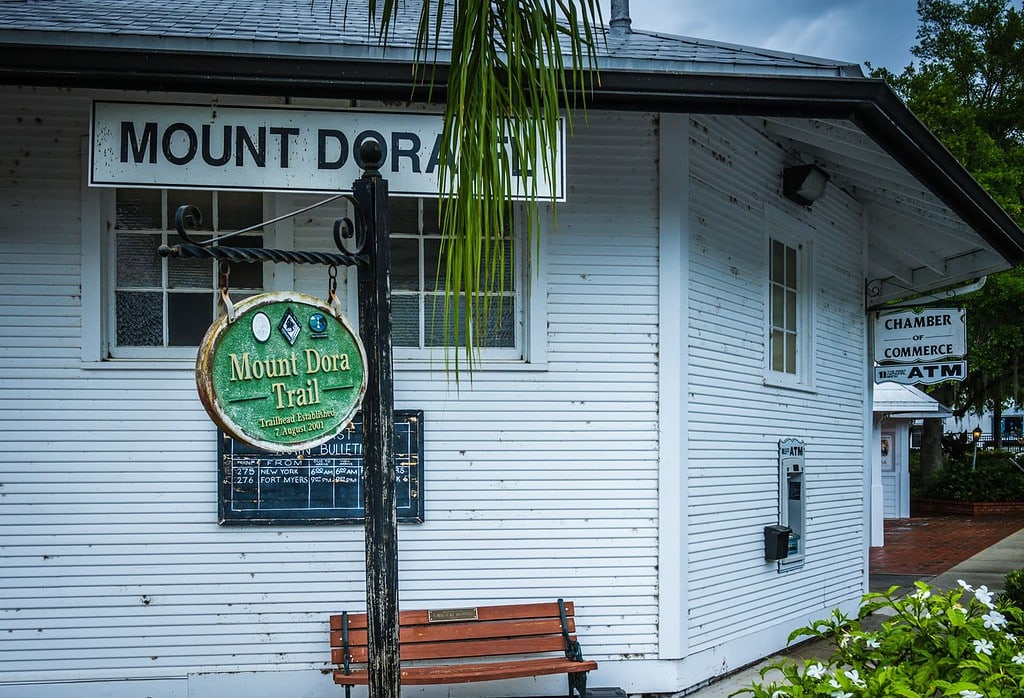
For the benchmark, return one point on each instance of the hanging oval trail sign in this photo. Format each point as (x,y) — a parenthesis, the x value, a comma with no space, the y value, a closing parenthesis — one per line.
(285,375)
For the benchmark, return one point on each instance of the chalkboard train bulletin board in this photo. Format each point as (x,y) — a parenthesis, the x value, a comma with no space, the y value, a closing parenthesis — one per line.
(320,485)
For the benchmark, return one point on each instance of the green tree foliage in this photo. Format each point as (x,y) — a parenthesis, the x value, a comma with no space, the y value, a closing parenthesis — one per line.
(968,88)
(513,65)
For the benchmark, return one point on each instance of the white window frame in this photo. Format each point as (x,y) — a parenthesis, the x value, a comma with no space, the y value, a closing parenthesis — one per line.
(98,284)
(530,350)
(790,232)
(97,227)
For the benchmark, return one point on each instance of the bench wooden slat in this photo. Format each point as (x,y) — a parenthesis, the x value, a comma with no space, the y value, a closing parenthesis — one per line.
(357,621)
(466,673)
(473,630)
(483,643)
(456,650)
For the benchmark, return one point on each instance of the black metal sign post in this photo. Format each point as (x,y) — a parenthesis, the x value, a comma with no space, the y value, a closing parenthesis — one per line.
(371,195)
(373,257)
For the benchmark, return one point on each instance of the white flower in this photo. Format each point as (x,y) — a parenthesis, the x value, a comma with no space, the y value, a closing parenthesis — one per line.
(983,647)
(984,596)
(1018,658)
(1011,637)
(968,693)
(817,671)
(833,683)
(855,678)
(965,585)
(841,694)
(958,607)
(780,694)
(994,620)
(921,594)
(873,643)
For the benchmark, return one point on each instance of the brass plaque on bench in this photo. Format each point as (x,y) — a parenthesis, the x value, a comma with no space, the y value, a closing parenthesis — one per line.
(449,615)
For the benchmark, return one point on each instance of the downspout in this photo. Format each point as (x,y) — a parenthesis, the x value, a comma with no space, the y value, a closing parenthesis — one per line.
(927,298)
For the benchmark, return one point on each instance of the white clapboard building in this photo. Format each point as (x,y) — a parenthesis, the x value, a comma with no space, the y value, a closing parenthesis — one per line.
(683,315)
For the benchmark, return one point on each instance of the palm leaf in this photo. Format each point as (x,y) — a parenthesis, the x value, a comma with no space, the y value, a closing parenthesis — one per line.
(514,65)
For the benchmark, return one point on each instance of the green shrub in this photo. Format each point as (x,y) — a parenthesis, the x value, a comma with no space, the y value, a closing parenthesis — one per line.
(934,644)
(994,479)
(1013,583)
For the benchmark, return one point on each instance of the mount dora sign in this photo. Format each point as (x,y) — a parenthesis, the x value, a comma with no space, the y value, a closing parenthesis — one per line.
(284,375)
(279,149)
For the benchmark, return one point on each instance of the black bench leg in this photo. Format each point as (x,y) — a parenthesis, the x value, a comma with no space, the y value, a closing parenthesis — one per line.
(578,683)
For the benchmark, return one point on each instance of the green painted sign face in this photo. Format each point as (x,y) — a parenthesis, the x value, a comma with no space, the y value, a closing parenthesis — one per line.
(285,375)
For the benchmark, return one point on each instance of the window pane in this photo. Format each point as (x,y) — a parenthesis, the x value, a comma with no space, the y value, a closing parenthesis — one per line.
(189,315)
(432,265)
(778,261)
(436,323)
(503,264)
(778,309)
(138,264)
(404,215)
(791,267)
(501,328)
(138,209)
(778,359)
(140,317)
(189,273)
(405,272)
(203,200)
(791,353)
(431,217)
(790,311)
(405,325)
(246,274)
(238,209)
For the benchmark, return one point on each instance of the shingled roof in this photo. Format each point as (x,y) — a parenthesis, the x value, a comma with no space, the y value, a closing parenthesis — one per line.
(342,29)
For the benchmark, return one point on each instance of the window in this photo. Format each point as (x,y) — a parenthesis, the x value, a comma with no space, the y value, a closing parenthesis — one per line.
(789,306)
(161,307)
(417,288)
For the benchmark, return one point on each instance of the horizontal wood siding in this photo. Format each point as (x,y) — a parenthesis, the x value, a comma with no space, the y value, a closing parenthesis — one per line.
(736,421)
(539,483)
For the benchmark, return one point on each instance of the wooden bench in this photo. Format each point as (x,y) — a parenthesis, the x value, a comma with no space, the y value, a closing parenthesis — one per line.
(450,645)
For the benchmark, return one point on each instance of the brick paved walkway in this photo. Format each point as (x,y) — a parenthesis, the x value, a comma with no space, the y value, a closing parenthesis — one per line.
(931,545)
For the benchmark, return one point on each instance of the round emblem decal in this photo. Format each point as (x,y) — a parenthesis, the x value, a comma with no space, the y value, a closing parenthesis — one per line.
(260,327)
(318,323)
(286,375)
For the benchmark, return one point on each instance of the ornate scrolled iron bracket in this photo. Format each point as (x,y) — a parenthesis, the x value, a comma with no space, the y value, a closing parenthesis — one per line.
(344,229)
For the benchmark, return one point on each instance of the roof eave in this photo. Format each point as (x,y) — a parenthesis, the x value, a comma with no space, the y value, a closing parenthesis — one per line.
(869,103)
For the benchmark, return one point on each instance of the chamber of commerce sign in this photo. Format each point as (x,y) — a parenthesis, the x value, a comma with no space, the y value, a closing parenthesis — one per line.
(920,337)
(926,346)
(279,149)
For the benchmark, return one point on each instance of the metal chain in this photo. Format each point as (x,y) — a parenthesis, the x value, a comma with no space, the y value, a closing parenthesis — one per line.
(332,290)
(225,304)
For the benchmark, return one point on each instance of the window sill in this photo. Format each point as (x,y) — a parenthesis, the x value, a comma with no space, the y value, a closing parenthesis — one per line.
(403,365)
(488,365)
(770,382)
(139,364)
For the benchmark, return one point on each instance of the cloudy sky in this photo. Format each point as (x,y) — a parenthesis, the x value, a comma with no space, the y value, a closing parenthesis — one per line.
(879,31)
